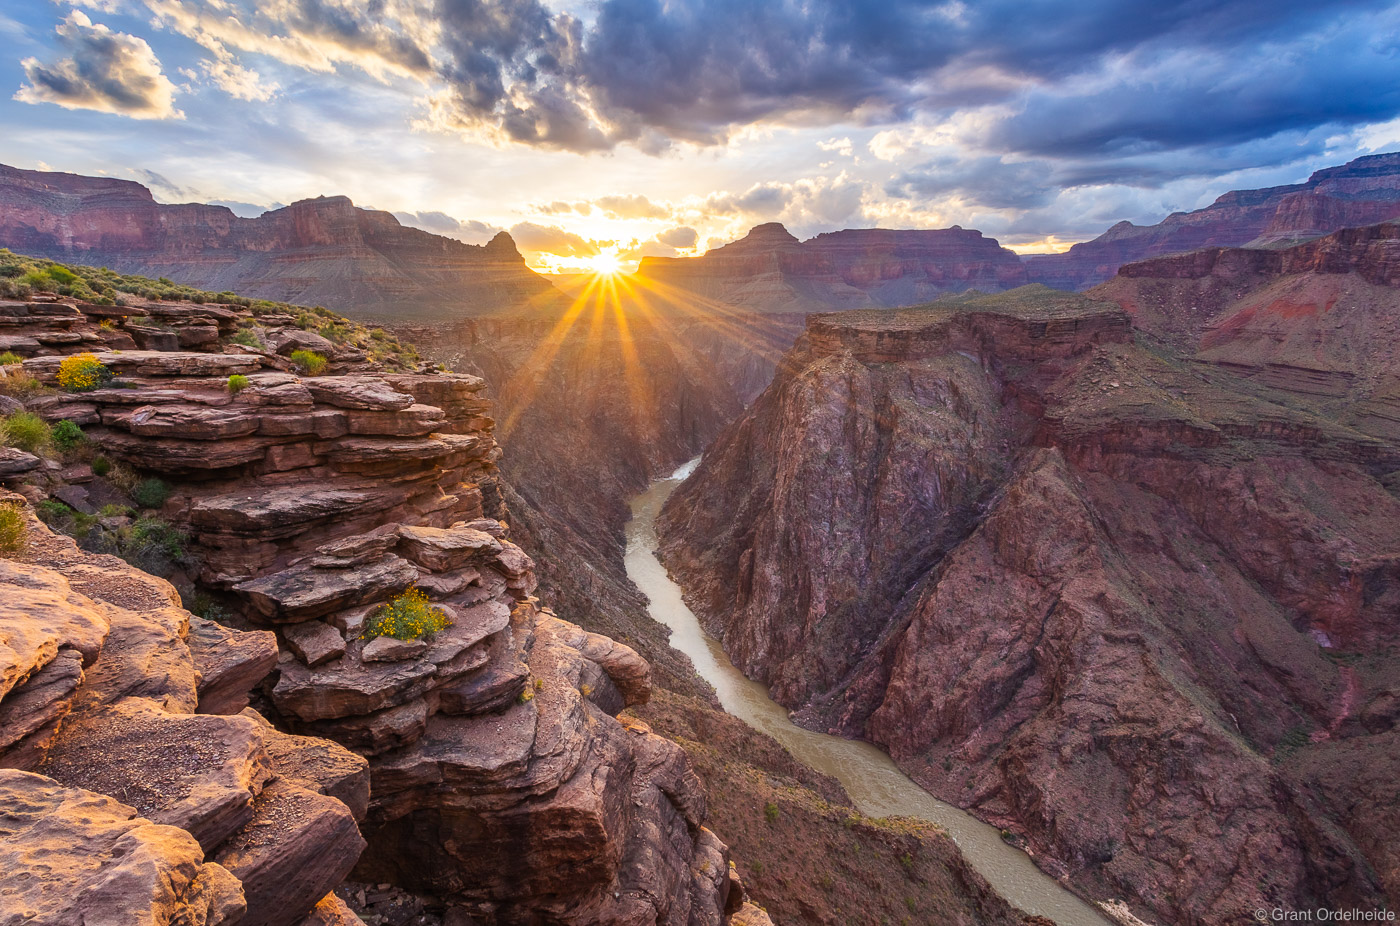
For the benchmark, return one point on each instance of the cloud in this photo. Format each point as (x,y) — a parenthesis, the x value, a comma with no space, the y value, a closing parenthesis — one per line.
(551,239)
(683,237)
(244,210)
(440,223)
(160,184)
(106,71)
(631,207)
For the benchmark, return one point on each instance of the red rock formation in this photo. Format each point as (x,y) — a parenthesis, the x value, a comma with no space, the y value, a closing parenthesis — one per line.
(1362,192)
(502,783)
(771,271)
(1316,319)
(316,251)
(154,801)
(1092,593)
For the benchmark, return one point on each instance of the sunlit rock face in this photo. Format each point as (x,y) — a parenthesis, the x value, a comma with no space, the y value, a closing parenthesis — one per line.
(322,251)
(1362,192)
(494,775)
(1135,609)
(771,271)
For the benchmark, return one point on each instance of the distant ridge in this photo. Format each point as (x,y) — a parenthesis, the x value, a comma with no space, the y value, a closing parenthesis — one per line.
(323,251)
(1361,192)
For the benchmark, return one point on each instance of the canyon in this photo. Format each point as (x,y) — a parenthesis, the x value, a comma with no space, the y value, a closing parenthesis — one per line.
(1131,607)
(322,251)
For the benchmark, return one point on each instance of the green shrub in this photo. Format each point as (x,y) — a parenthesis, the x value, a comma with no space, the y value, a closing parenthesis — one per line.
(150,493)
(68,436)
(309,362)
(14,533)
(9,358)
(406,617)
(237,383)
(101,466)
(246,338)
(770,812)
(25,430)
(83,373)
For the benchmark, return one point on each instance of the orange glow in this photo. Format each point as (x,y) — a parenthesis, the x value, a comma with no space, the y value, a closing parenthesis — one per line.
(605,264)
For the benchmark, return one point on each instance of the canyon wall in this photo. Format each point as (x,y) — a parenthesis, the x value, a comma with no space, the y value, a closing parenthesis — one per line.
(771,271)
(322,251)
(1137,611)
(1316,320)
(502,784)
(1362,192)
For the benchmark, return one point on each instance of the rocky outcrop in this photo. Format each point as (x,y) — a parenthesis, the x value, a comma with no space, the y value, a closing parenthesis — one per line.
(1362,192)
(1316,320)
(502,784)
(132,798)
(1095,594)
(771,271)
(323,250)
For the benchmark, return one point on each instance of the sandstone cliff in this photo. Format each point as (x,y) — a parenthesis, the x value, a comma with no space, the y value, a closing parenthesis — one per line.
(1362,192)
(1137,611)
(503,786)
(771,271)
(317,251)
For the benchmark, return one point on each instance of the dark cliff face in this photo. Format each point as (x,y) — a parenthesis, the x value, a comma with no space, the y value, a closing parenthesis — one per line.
(771,271)
(1362,192)
(316,251)
(1128,607)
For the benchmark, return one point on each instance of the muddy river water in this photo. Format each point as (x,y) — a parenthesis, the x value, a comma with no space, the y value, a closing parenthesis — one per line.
(871,778)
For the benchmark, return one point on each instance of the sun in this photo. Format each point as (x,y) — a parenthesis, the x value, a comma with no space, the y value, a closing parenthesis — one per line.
(605,264)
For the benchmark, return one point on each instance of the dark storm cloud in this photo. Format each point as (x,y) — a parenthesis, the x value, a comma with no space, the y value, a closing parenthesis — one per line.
(695,71)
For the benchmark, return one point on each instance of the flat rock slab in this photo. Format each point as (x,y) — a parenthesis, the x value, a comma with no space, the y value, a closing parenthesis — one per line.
(297,848)
(190,422)
(443,549)
(30,714)
(157,363)
(144,657)
(388,649)
(348,688)
(413,421)
(304,593)
(197,772)
(15,462)
(276,513)
(174,455)
(357,392)
(71,856)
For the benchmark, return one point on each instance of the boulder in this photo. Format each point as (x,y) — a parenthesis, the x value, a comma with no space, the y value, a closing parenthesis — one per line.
(314,642)
(388,649)
(72,856)
(230,664)
(316,764)
(286,340)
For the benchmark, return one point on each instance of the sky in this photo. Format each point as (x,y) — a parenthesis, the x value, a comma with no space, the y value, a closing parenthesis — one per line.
(605,130)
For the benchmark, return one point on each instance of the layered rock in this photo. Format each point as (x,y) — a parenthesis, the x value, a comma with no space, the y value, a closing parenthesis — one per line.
(1095,594)
(502,783)
(133,798)
(771,271)
(1316,320)
(323,250)
(1362,192)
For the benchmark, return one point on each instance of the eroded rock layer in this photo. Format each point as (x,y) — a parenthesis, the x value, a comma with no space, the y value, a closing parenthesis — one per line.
(1136,610)
(131,798)
(502,783)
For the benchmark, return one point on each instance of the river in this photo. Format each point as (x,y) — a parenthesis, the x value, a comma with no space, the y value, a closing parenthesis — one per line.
(871,778)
